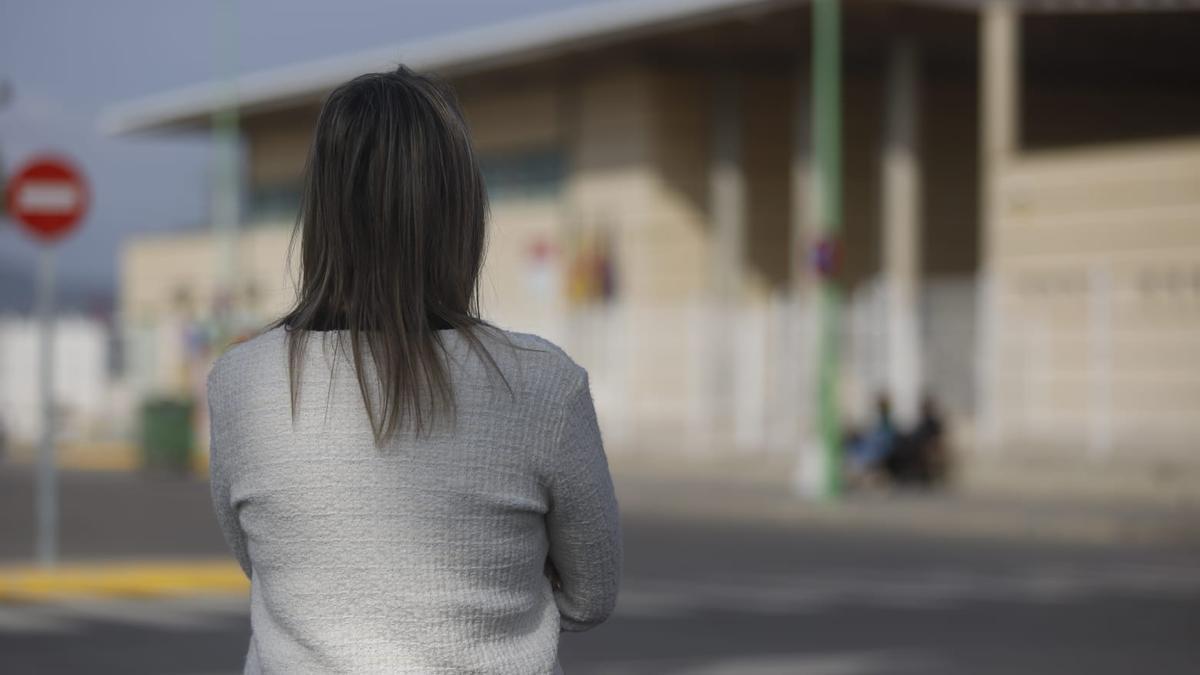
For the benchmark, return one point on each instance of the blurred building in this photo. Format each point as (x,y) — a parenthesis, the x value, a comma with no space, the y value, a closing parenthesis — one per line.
(85,401)
(1021,214)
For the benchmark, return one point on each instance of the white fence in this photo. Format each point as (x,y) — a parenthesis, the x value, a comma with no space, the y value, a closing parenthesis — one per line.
(704,378)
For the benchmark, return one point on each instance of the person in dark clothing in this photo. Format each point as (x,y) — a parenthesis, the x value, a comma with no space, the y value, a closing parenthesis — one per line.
(920,457)
(930,438)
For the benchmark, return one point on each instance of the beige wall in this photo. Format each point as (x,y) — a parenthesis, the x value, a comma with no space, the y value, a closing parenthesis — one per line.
(636,139)
(277,145)
(166,273)
(168,287)
(1097,320)
(516,289)
(682,136)
(176,274)
(769,128)
(524,115)
(636,366)
(612,178)
(948,133)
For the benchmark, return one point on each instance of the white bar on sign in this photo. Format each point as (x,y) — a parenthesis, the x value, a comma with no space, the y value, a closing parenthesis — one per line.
(47,197)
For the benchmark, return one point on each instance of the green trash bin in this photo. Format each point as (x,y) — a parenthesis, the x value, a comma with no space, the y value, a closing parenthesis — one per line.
(167,440)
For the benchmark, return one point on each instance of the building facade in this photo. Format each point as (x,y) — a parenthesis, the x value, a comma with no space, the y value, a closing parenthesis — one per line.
(1015,242)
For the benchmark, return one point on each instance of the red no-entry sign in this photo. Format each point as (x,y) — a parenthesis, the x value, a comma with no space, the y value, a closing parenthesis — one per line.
(47,195)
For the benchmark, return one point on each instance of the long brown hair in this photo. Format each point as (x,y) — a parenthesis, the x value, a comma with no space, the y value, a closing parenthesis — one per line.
(392,229)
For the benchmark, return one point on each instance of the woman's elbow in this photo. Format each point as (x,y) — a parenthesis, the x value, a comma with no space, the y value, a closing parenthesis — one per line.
(585,614)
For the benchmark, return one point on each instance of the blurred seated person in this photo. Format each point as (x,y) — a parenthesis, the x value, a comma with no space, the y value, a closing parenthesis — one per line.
(920,457)
(868,451)
(930,436)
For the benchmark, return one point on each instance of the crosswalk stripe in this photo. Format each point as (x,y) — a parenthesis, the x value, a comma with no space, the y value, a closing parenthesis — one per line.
(190,613)
(20,620)
(860,663)
(135,613)
(816,664)
(792,594)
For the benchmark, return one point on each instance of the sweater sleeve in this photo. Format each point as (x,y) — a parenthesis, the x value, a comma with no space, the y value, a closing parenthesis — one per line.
(583,521)
(219,478)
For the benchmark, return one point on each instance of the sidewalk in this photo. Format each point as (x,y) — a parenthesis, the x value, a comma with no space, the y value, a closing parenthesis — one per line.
(722,493)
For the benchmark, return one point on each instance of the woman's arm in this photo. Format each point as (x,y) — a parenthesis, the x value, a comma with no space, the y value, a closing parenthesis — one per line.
(219,476)
(583,521)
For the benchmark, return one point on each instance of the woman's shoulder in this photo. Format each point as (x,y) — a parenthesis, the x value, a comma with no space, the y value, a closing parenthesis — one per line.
(543,360)
(241,359)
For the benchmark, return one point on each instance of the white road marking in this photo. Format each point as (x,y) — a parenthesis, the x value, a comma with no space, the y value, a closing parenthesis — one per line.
(27,619)
(861,663)
(72,615)
(866,663)
(921,590)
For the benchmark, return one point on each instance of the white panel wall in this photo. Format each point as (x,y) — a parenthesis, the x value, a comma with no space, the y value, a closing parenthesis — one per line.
(81,378)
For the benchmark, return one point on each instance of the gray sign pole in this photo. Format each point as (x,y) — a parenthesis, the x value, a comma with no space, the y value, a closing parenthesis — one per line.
(47,478)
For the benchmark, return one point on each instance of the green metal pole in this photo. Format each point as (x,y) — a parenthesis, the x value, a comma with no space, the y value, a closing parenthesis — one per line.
(826,130)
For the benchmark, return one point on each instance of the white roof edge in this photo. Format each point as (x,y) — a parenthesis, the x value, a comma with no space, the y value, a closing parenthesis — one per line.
(462,51)
(491,45)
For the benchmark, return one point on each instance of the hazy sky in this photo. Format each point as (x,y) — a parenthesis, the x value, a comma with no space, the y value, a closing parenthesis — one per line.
(68,59)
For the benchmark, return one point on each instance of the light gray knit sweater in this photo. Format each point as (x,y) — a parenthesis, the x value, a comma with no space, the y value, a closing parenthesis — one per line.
(426,556)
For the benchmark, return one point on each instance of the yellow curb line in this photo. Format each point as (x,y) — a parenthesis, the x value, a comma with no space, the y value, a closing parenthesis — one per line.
(119,464)
(121,579)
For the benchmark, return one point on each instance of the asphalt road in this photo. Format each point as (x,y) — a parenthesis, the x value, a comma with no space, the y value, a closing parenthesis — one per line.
(698,599)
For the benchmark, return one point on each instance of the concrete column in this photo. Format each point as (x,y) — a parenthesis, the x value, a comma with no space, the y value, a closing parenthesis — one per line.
(999,103)
(1000,64)
(901,222)
(727,187)
(802,330)
(727,210)
(803,217)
